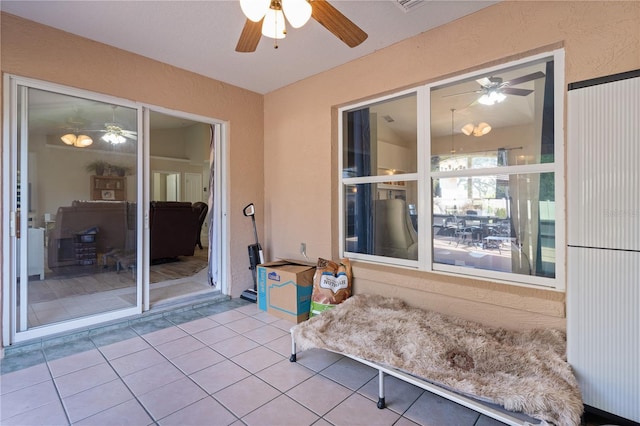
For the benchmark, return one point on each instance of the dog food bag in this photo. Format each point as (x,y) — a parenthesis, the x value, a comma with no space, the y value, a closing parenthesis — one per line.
(331,285)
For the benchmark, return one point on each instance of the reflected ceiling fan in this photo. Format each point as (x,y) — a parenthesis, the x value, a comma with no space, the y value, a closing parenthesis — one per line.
(114,132)
(495,90)
(266,17)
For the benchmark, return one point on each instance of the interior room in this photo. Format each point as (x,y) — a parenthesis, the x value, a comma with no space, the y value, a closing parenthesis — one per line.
(330,143)
(82,198)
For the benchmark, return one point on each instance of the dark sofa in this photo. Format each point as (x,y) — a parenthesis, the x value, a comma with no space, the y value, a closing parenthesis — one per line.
(174,229)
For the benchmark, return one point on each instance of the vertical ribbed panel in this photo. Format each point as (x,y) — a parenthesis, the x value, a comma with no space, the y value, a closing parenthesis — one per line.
(603,225)
(603,328)
(603,156)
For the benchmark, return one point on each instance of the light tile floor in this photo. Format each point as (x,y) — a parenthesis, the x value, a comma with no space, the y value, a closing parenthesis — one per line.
(219,365)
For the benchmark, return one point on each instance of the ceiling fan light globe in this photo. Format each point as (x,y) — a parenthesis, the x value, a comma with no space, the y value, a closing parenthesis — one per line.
(113,138)
(468,129)
(68,139)
(482,129)
(83,141)
(492,97)
(273,24)
(254,10)
(297,12)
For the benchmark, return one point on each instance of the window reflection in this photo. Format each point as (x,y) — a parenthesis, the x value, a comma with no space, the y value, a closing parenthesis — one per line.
(496,228)
(381,139)
(381,219)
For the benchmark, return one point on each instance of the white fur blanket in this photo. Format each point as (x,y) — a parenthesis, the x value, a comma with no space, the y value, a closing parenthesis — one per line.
(524,371)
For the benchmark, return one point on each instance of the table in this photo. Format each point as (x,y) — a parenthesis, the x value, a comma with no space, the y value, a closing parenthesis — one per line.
(499,239)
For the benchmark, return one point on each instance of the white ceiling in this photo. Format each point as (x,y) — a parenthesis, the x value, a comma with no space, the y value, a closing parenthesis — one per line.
(200,36)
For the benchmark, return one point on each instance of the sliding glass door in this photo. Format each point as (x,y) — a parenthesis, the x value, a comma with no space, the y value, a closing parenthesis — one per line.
(74,215)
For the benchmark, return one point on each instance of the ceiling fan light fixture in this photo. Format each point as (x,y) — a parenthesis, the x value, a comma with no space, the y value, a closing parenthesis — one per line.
(69,138)
(273,25)
(254,10)
(468,129)
(479,130)
(83,141)
(79,141)
(297,12)
(114,138)
(492,97)
(482,129)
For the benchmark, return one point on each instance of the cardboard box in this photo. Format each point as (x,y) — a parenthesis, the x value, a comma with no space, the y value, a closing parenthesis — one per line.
(284,289)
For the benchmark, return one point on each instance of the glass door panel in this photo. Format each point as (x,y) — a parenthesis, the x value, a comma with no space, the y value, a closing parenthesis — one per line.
(76,218)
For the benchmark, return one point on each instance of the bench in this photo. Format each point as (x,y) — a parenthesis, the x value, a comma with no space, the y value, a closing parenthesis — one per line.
(516,377)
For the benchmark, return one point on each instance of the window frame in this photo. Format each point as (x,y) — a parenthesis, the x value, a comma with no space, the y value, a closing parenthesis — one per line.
(424,175)
(375,179)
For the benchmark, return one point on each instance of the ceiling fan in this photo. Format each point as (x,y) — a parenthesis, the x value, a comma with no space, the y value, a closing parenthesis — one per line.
(269,21)
(495,90)
(114,133)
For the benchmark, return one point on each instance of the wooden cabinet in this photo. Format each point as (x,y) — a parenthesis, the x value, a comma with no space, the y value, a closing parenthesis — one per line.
(112,188)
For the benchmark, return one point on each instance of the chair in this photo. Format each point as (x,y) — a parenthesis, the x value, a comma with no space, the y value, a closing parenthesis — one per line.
(395,235)
(204,209)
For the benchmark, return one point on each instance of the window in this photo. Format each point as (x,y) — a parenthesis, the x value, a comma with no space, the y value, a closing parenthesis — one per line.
(379,175)
(483,161)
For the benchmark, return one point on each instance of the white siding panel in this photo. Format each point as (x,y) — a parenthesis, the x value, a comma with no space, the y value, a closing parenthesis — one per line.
(603,157)
(603,328)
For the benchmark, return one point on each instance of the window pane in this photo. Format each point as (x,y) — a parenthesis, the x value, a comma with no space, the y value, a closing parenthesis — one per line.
(381,219)
(381,139)
(82,199)
(498,223)
(517,129)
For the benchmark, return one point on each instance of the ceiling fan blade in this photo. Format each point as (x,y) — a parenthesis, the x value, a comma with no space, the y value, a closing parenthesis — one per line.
(338,24)
(250,36)
(514,91)
(524,79)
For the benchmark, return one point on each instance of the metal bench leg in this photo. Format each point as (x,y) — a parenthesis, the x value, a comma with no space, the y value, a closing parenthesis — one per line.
(381,402)
(292,358)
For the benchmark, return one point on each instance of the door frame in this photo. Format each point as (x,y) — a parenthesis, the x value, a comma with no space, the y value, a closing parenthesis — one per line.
(10,320)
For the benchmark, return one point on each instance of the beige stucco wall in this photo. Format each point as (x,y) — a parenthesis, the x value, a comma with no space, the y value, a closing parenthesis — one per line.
(33,50)
(301,138)
(298,194)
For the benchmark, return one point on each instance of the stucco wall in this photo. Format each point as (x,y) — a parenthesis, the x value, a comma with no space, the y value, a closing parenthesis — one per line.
(301,137)
(33,50)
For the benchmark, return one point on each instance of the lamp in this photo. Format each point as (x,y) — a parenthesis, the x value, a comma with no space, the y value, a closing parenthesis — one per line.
(492,97)
(479,130)
(79,141)
(297,12)
(273,25)
(254,9)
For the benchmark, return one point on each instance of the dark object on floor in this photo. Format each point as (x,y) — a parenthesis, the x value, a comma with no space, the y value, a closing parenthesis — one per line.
(173,229)
(204,209)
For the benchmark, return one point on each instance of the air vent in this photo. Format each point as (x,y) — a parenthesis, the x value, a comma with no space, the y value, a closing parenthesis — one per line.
(409,5)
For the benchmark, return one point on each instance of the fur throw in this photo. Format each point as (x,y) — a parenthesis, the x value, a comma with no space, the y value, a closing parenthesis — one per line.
(524,371)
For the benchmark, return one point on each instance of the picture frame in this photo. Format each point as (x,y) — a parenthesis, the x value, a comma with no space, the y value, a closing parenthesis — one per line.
(108,194)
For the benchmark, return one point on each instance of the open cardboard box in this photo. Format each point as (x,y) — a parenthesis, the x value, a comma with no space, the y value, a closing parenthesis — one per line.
(284,288)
